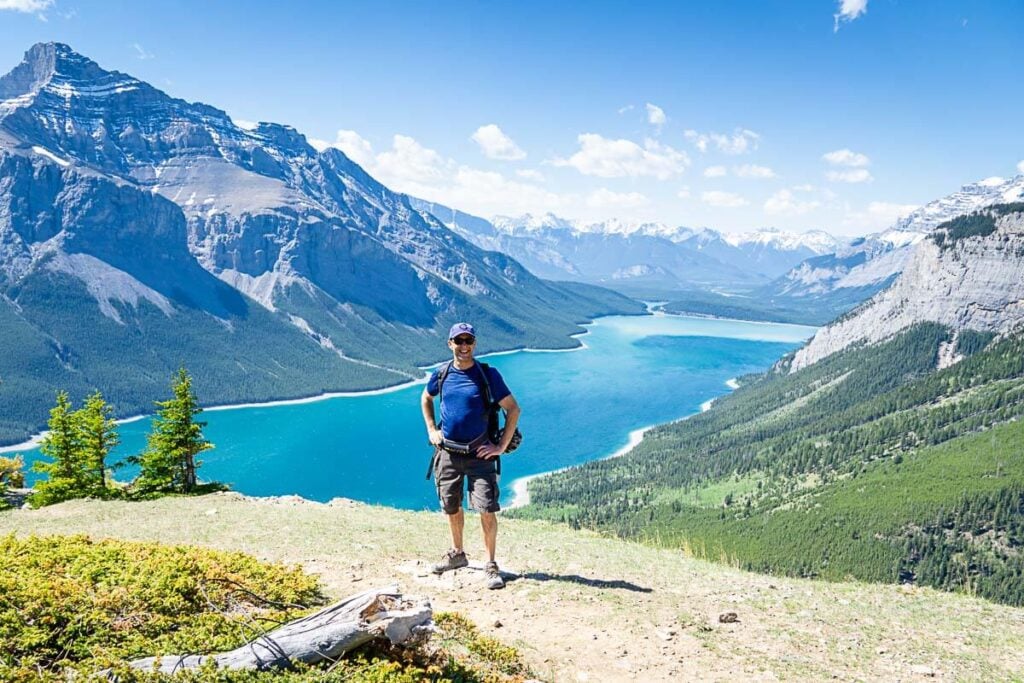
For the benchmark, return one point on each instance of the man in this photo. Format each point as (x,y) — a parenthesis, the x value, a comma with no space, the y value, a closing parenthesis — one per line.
(465,452)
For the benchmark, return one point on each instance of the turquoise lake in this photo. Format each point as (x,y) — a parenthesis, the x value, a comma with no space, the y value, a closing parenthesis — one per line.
(580,405)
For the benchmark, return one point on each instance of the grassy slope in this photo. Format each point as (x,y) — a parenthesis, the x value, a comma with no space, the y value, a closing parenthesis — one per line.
(588,606)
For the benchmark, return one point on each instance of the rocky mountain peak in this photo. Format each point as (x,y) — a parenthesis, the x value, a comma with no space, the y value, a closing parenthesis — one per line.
(47,63)
(285,138)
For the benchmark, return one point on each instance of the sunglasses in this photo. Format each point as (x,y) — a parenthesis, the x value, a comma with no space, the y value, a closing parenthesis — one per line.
(464,341)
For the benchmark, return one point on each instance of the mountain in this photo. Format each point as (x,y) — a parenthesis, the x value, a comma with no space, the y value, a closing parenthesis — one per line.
(139,232)
(633,256)
(872,262)
(829,284)
(968,276)
(887,449)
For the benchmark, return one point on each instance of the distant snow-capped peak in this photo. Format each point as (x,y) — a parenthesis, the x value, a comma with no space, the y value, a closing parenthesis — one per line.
(529,222)
(969,198)
(818,241)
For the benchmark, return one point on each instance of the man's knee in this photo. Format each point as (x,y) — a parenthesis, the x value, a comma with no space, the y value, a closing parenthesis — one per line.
(451,508)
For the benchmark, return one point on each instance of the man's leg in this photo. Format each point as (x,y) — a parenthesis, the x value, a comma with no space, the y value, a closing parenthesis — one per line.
(450,480)
(457,522)
(489,522)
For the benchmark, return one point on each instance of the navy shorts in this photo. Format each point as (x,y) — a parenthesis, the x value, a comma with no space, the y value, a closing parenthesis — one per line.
(452,471)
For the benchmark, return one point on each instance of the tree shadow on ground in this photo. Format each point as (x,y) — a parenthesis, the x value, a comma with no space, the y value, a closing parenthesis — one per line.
(575,578)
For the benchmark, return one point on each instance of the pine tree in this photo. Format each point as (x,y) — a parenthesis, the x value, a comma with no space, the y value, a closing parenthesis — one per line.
(169,462)
(66,473)
(98,437)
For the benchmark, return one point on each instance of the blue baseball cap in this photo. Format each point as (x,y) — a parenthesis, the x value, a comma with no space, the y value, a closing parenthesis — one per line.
(461,328)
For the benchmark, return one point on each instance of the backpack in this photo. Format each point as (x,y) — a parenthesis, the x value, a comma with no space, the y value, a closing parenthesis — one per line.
(494,430)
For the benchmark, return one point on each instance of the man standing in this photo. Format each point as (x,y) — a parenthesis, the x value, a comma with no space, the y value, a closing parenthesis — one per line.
(465,452)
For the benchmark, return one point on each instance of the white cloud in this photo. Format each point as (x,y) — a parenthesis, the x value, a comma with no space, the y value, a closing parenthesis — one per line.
(496,145)
(684,192)
(785,203)
(488,192)
(26,6)
(628,107)
(355,148)
(846,157)
(877,216)
(606,199)
(1020,167)
(807,187)
(531,174)
(140,52)
(715,172)
(414,169)
(723,200)
(408,160)
(889,212)
(608,158)
(656,115)
(853,175)
(753,171)
(740,141)
(848,11)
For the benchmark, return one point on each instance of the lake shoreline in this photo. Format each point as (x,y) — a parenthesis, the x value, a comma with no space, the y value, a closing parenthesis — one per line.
(33,442)
(521,492)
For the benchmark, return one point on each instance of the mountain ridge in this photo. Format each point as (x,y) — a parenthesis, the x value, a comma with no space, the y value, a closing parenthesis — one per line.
(148,221)
(633,255)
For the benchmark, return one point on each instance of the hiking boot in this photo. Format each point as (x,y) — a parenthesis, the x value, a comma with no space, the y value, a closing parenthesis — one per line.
(492,576)
(453,559)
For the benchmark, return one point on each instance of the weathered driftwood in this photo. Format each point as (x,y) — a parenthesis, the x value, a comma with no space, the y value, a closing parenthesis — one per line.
(325,635)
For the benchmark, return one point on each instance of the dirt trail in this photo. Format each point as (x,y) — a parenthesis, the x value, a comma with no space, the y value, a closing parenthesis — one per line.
(586,608)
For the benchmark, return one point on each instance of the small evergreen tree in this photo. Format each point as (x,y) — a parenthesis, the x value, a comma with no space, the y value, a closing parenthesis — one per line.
(98,437)
(66,473)
(169,462)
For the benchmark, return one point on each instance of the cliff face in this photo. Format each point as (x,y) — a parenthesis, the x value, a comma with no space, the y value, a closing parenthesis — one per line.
(973,282)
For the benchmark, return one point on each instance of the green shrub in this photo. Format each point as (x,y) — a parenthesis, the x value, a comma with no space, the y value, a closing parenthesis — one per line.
(73,606)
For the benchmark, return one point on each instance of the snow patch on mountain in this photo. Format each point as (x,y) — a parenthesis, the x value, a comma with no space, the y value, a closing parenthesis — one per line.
(51,156)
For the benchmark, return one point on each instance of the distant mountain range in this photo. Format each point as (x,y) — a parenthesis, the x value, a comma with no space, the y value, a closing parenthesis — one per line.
(637,256)
(139,232)
(874,260)
(887,449)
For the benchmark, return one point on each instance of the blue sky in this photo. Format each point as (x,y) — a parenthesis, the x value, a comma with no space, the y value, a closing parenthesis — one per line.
(734,115)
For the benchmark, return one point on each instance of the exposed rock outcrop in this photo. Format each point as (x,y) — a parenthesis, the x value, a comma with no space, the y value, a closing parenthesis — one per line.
(974,282)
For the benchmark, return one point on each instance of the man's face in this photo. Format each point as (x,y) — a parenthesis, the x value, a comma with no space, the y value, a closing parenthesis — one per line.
(462,347)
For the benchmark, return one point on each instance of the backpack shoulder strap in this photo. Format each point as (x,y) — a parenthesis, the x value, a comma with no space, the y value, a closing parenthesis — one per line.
(484,367)
(442,375)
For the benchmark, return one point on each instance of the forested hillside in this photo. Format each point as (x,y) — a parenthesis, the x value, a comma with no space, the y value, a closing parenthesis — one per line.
(867,464)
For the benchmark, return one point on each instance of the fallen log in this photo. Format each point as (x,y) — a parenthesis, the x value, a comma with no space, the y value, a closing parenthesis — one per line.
(325,635)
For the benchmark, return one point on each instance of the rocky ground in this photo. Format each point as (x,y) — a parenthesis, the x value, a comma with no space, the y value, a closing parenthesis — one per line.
(586,608)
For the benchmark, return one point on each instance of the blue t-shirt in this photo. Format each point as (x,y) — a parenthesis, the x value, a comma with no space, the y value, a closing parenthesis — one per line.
(462,402)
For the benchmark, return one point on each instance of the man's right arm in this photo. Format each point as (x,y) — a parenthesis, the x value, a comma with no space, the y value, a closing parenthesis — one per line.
(433,433)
